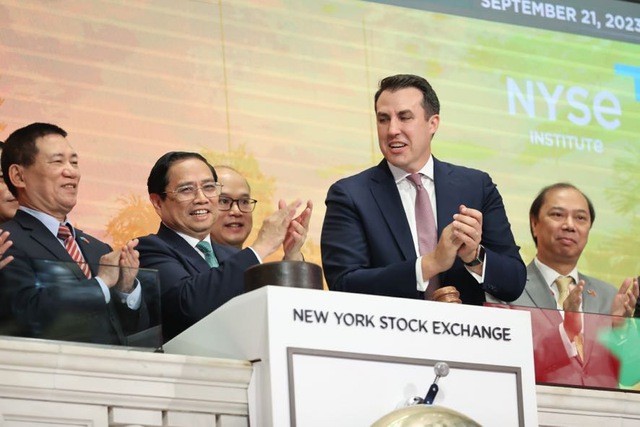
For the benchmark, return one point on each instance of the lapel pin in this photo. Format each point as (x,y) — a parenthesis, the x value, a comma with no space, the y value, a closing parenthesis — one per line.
(84,239)
(591,292)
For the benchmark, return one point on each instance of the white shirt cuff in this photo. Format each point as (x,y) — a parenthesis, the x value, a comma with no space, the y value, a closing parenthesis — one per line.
(133,299)
(256,254)
(105,289)
(420,283)
(569,346)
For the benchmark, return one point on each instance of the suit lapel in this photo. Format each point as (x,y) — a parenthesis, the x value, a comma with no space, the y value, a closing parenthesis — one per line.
(540,294)
(88,248)
(183,249)
(591,321)
(42,236)
(589,297)
(50,243)
(222,252)
(538,290)
(448,193)
(385,192)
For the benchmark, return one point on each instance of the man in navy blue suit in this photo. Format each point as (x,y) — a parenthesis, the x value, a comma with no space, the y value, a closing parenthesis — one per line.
(369,236)
(45,292)
(198,275)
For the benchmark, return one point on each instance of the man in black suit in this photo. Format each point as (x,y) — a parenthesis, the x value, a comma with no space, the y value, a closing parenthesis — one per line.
(196,275)
(85,293)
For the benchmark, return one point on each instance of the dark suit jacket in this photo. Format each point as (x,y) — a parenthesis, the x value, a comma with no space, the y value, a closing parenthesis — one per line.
(367,245)
(599,367)
(44,294)
(190,289)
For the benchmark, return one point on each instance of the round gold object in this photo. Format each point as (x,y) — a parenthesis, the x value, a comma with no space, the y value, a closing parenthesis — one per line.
(447,294)
(425,415)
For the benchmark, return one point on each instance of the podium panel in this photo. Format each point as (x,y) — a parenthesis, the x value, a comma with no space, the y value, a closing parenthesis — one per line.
(331,358)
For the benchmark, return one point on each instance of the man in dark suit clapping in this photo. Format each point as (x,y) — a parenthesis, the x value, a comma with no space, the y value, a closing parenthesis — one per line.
(414,223)
(62,283)
(196,275)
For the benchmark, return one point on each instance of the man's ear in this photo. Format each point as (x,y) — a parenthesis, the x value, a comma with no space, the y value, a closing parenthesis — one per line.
(433,123)
(16,176)
(156,201)
(533,223)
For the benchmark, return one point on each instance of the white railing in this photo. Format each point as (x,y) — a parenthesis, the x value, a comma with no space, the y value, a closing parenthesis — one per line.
(61,383)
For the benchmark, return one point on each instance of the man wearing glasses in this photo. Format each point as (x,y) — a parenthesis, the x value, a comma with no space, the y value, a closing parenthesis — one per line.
(236,206)
(196,275)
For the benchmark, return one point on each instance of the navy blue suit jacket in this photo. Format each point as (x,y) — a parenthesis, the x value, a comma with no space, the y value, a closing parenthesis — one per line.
(367,245)
(45,294)
(189,288)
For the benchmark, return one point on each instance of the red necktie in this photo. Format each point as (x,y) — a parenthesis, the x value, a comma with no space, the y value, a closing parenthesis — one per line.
(70,244)
(426,226)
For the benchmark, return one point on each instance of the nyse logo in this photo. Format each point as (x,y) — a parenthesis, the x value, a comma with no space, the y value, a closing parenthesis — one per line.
(628,70)
(603,106)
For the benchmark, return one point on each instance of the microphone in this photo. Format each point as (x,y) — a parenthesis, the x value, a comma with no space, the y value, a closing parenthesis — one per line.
(442,370)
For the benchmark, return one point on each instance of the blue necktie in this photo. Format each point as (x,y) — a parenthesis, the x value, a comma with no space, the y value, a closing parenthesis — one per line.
(209,256)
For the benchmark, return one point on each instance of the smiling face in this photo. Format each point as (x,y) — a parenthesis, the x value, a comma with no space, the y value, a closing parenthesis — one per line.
(404,131)
(50,184)
(233,226)
(194,217)
(562,228)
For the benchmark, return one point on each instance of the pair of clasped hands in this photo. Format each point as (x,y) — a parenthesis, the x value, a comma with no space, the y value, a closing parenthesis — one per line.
(119,268)
(284,228)
(461,238)
(623,305)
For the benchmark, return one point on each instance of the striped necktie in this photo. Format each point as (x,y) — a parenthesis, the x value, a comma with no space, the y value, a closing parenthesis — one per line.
(70,244)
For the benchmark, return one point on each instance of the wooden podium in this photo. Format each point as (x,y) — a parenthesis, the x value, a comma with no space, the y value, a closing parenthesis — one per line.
(330,358)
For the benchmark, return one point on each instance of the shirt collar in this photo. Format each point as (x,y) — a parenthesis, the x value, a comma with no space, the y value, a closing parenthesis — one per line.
(400,174)
(192,241)
(550,275)
(51,223)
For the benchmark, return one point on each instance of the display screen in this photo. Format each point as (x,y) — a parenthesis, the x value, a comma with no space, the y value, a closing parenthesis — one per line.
(532,92)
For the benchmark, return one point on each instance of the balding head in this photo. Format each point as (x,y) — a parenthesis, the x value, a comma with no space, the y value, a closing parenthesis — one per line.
(233,226)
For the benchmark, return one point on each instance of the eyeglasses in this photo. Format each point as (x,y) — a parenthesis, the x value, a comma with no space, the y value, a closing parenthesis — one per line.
(245,204)
(189,192)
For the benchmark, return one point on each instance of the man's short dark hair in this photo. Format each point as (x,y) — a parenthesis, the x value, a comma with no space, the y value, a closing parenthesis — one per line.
(158,178)
(430,102)
(20,147)
(534,211)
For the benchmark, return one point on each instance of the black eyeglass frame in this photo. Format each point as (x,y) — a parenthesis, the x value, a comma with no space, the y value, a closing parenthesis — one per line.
(252,203)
